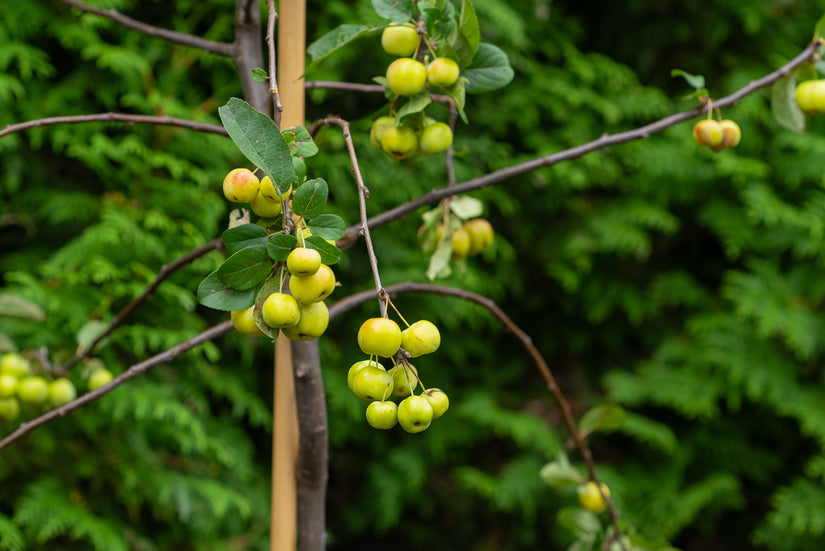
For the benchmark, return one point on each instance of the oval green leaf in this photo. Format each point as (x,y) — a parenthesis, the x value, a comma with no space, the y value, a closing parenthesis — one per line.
(328,226)
(330,254)
(310,198)
(212,292)
(490,70)
(246,268)
(245,235)
(603,418)
(280,245)
(396,11)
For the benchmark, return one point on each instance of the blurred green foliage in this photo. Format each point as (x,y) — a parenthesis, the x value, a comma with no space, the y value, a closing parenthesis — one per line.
(680,284)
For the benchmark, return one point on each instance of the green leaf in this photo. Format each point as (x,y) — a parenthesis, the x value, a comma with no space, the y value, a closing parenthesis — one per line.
(338,37)
(260,140)
(15,306)
(272,285)
(245,235)
(330,254)
(468,27)
(259,75)
(561,474)
(212,292)
(280,245)
(783,104)
(246,268)
(467,207)
(415,104)
(439,266)
(819,28)
(584,524)
(458,92)
(694,81)
(310,198)
(396,11)
(300,142)
(328,226)
(89,331)
(604,418)
(490,70)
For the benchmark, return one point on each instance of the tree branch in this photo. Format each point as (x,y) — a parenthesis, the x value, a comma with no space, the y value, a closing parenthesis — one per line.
(273,81)
(526,342)
(133,371)
(249,53)
(115,117)
(165,271)
(364,88)
(606,140)
(220,48)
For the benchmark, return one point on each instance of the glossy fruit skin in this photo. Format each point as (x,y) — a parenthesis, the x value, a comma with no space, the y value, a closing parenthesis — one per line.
(590,498)
(8,385)
(461,244)
(810,96)
(377,129)
(265,208)
(422,337)
(438,400)
(435,139)
(406,76)
(379,336)
(399,142)
(280,310)
(442,72)
(244,322)
(14,364)
(33,390)
(401,385)
(314,288)
(358,366)
(303,262)
(61,392)
(415,414)
(481,235)
(314,321)
(371,383)
(707,132)
(400,40)
(269,191)
(9,408)
(731,135)
(241,185)
(382,414)
(98,378)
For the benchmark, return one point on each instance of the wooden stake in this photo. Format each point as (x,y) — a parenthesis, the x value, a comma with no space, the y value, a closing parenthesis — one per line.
(290,58)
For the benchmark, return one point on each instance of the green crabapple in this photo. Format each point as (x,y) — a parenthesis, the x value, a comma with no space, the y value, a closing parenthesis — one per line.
(731,135)
(33,390)
(435,139)
(269,191)
(379,337)
(399,142)
(442,72)
(244,322)
(590,498)
(438,400)
(415,414)
(481,235)
(382,414)
(314,288)
(303,262)
(377,129)
(406,76)
(422,337)
(9,408)
(400,40)
(358,366)
(810,96)
(14,364)
(371,383)
(707,132)
(8,385)
(99,378)
(241,185)
(461,244)
(61,392)
(403,381)
(314,321)
(280,310)
(264,207)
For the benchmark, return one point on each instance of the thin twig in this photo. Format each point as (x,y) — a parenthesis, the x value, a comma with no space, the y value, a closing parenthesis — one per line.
(527,343)
(211,46)
(448,162)
(115,117)
(165,271)
(273,82)
(606,140)
(133,371)
(364,88)
(363,193)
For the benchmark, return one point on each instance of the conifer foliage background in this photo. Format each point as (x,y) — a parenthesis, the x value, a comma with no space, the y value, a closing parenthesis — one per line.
(683,285)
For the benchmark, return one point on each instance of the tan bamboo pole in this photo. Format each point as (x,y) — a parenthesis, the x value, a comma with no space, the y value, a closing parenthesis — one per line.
(291,47)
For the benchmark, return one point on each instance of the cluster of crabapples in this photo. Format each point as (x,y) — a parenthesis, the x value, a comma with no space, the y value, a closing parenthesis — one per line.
(21,387)
(408,76)
(470,238)
(241,185)
(717,135)
(370,381)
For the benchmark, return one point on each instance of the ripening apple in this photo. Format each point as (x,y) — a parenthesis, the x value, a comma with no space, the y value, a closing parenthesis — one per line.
(422,337)
(314,288)
(14,364)
(399,142)
(400,40)
(707,132)
(481,235)
(406,76)
(241,185)
(280,310)
(61,392)
(377,129)
(244,322)
(435,139)
(379,336)
(313,323)
(415,414)
(810,96)
(99,378)
(442,72)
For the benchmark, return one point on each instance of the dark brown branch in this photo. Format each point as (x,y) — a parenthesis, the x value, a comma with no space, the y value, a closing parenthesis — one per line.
(606,140)
(220,48)
(313,452)
(133,371)
(115,117)
(165,271)
(273,81)
(527,343)
(249,54)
